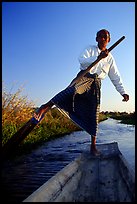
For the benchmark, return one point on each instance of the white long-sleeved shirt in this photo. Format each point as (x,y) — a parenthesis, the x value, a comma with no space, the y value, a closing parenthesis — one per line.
(105,67)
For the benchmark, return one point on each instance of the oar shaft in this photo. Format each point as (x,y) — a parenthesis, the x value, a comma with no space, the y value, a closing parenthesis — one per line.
(116,43)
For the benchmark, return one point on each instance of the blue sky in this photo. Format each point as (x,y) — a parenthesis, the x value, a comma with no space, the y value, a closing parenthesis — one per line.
(41,42)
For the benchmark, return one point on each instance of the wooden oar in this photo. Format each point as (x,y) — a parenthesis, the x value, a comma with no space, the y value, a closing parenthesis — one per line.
(21,134)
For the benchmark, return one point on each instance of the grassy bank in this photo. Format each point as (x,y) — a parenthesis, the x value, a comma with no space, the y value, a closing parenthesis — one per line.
(126,118)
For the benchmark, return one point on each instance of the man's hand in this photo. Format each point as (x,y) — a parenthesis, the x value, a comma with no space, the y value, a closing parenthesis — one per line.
(126,97)
(103,54)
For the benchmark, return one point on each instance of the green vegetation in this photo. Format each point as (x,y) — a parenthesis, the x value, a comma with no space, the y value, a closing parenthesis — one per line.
(126,118)
(17,110)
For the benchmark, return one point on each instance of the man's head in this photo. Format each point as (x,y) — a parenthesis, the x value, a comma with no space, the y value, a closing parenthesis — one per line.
(103,33)
(103,38)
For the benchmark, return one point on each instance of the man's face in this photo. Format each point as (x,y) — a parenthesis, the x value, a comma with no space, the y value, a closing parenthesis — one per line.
(103,39)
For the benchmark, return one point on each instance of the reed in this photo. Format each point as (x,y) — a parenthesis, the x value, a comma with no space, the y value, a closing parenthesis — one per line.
(16,110)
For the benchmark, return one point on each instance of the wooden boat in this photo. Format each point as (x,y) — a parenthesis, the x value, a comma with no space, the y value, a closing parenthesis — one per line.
(104,178)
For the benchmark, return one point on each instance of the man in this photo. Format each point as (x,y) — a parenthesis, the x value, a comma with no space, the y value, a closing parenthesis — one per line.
(80,101)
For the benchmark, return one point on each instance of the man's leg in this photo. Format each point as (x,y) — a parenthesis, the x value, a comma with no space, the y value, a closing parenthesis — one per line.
(93,148)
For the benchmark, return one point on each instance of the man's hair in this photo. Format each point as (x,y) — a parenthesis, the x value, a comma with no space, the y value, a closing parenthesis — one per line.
(105,31)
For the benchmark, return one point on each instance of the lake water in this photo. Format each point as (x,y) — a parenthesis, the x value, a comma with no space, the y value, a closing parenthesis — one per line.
(24,175)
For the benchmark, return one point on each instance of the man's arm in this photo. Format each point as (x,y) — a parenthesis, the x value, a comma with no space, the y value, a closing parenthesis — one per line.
(87,57)
(115,77)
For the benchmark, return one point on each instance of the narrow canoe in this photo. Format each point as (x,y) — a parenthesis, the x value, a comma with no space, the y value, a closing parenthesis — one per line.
(104,178)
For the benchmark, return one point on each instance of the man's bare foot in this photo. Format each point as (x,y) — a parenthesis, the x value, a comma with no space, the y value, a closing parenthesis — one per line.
(94,151)
(40,112)
(38,115)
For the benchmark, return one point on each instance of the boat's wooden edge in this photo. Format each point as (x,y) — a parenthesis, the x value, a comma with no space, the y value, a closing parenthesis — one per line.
(128,175)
